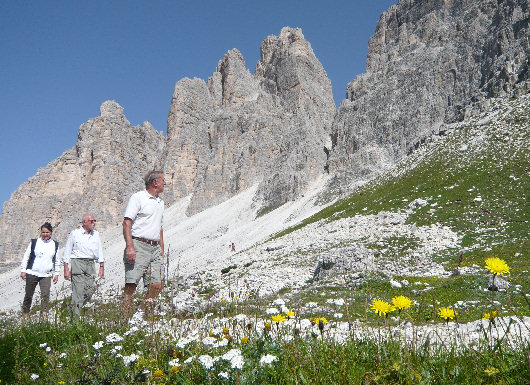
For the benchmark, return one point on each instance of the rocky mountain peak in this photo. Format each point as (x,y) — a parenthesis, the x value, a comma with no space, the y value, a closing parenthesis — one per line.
(236,82)
(110,108)
(240,129)
(290,70)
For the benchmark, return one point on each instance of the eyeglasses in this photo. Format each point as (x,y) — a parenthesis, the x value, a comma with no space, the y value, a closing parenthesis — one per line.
(92,221)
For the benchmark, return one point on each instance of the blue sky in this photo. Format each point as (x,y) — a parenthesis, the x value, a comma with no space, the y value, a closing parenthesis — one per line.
(62,59)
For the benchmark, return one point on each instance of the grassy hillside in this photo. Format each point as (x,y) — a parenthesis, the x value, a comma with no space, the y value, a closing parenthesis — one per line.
(475,179)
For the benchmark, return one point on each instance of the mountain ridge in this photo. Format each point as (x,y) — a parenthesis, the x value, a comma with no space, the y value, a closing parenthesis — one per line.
(428,63)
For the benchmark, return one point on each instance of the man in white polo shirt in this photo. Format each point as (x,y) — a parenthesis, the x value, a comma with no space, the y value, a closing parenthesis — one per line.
(82,249)
(144,240)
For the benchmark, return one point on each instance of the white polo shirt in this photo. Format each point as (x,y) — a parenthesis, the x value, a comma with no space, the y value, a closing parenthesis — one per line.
(147,214)
(83,245)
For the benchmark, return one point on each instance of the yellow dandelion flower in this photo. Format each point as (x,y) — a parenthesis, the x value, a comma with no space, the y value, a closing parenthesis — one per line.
(246,294)
(382,307)
(223,299)
(158,374)
(446,313)
(225,331)
(278,318)
(290,314)
(244,340)
(175,369)
(267,326)
(497,266)
(401,302)
(490,316)
(60,382)
(45,364)
(211,333)
(316,320)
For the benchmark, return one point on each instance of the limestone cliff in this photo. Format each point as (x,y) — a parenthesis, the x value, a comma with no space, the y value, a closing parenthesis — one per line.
(97,175)
(428,62)
(238,129)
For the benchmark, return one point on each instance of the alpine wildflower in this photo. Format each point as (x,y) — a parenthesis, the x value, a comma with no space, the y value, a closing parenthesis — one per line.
(158,374)
(244,340)
(316,320)
(497,266)
(278,318)
(447,313)
(290,314)
(401,302)
(382,307)
(98,345)
(490,316)
(267,359)
(175,369)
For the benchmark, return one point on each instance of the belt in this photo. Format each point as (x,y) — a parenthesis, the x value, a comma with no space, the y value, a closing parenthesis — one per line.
(148,241)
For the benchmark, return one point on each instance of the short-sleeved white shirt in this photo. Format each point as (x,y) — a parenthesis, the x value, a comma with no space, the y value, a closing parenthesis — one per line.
(147,214)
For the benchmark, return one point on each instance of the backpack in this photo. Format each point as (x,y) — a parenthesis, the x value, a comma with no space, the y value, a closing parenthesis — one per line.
(32,253)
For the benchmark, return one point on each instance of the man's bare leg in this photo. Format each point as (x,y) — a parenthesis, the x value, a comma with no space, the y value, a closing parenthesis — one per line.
(128,292)
(154,291)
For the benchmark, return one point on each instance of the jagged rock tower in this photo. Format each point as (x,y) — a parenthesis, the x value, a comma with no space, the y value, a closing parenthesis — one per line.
(239,129)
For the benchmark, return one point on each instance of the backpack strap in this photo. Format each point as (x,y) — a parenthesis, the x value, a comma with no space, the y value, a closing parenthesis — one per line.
(31,258)
(54,255)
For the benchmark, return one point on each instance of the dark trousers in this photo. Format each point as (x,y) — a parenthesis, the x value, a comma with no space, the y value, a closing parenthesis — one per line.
(45,284)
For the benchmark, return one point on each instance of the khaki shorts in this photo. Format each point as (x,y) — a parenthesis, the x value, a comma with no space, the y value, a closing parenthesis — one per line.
(148,263)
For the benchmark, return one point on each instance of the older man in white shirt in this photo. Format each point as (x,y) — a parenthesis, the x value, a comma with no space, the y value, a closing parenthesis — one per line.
(82,249)
(144,241)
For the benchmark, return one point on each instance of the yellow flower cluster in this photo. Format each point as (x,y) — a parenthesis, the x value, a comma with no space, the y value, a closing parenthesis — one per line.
(290,314)
(497,266)
(316,320)
(490,316)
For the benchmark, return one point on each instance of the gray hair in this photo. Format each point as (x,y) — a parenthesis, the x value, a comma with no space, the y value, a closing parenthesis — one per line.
(151,176)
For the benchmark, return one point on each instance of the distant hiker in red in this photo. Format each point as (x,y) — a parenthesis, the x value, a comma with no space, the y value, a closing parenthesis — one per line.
(37,265)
